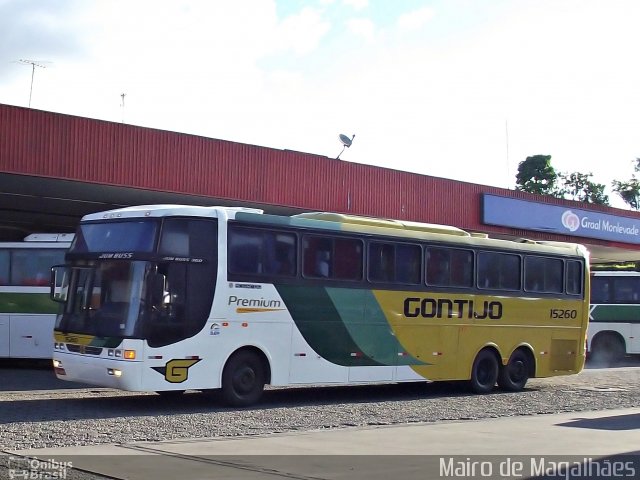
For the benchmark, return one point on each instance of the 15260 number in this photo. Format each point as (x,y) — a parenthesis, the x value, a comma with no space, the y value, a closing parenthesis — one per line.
(559,313)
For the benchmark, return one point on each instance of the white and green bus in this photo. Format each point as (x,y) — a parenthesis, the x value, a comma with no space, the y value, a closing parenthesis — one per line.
(27,314)
(170,298)
(614,326)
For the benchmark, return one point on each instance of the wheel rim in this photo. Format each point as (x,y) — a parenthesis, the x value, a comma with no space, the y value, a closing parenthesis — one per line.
(244,380)
(517,371)
(485,372)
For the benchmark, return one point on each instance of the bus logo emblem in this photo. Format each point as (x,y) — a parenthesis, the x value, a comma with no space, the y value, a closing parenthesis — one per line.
(176,370)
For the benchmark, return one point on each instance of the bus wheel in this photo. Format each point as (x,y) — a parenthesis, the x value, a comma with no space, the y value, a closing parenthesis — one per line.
(513,376)
(607,349)
(243,379)
(484,372)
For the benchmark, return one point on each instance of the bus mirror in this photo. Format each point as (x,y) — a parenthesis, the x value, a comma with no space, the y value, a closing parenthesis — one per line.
(59,283)
(156,288)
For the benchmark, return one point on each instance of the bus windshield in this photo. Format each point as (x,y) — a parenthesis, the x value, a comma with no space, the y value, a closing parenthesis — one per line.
(125,236)
(124,280)
(106,300)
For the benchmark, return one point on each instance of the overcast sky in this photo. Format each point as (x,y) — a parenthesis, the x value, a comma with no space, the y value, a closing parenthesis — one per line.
(462,89)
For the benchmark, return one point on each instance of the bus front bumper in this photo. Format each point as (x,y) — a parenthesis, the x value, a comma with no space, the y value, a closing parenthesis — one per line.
(110,373)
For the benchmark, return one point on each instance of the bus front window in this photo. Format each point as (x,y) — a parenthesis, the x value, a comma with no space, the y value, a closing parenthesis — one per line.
(105,300)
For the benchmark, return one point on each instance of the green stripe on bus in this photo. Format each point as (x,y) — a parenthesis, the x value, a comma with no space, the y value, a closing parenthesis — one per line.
(321,325)
(368,326)
(616,313)
(27,303)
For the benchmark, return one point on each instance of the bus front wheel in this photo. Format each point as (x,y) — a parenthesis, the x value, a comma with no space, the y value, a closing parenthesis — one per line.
(243,379)
(484,372)
(515,374)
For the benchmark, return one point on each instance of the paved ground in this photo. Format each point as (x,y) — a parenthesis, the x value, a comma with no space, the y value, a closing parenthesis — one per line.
(520,447)
(514,446)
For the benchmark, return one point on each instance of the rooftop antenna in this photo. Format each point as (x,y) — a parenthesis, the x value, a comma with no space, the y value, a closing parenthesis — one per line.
(346,143)
(122,95)
(34,64)
(506,138)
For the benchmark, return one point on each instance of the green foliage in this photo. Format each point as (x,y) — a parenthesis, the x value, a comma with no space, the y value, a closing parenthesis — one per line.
(629,190)
(536,175)
(579,187)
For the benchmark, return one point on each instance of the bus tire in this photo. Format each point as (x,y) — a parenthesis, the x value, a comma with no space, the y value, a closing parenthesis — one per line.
(243,379)
(514,375)
(607,349)
(484,372)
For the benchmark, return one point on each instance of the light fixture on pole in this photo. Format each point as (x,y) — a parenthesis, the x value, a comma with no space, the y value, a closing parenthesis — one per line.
(346,143)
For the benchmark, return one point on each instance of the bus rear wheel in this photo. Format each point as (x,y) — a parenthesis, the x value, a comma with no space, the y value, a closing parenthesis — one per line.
(607,349)
(243,379)
(515,374)
(484,372)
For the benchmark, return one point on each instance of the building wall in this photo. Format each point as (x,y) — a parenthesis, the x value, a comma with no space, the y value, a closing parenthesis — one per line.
(46,144)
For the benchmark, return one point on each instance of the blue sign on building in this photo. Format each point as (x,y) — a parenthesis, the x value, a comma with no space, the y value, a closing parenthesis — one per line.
(511,212)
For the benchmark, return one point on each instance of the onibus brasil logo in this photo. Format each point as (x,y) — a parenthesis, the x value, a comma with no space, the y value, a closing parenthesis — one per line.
(570,221)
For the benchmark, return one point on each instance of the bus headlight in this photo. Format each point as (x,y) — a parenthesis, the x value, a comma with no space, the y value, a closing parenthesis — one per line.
(126,354)
(57,367)
(114,372)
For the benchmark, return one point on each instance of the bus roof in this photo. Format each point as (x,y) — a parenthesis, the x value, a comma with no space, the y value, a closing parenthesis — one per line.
(49,237)
(615,273)
(385,223)
(345,222)
(166,210)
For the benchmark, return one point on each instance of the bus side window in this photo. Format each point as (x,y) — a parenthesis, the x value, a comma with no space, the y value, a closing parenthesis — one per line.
(542,274)
(438,266)
(348,259)
(244,251)
(625,290)
(487,271)
(381,262)
(32,267)
(509,271)
(4,267)
(461,268)
(533,274)
(600,290)
(317,257)
(280,250)
(573,274)
(408,263)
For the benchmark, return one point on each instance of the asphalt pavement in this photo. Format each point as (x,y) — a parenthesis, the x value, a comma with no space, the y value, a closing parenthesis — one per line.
(594,444)
(516,447)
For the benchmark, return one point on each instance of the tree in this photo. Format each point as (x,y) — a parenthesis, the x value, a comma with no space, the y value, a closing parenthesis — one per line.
(536,175)
(629,190)
(578,186)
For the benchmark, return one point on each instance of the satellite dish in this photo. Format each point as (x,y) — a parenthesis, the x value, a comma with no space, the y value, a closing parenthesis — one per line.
(346,141)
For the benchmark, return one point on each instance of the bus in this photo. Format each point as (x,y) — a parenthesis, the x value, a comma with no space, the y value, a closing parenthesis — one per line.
(169,298)
(27,315)
(614,324)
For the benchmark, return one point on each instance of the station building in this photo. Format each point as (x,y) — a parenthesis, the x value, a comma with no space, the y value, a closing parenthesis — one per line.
(55,168)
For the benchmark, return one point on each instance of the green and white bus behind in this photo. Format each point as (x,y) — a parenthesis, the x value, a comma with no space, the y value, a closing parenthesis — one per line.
(172,298)
(27,314)
(614,327)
